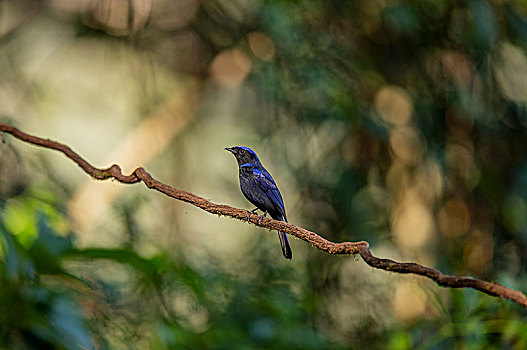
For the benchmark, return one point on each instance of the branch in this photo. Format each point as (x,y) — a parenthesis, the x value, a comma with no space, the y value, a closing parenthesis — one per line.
(362,247)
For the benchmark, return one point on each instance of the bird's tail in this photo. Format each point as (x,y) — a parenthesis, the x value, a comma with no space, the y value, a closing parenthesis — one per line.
(286,249)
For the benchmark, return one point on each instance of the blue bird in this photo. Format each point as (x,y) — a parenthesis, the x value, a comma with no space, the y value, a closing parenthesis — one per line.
(259,188)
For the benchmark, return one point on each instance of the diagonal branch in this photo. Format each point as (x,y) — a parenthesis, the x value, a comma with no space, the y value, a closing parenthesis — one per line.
(362,247)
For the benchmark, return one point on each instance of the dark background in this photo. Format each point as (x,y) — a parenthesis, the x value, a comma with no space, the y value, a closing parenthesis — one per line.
(403,123)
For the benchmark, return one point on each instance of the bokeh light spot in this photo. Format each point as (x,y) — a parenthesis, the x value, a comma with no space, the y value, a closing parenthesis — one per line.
(454,218)
(173,14)
(230,68)
(409,301)
(413,225)
(394,105)
(460,162)
(456,67)
(511,73)
(407,145)
(478,251)
(261,45)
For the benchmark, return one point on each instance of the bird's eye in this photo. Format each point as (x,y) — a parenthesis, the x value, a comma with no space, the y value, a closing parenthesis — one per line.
(242,151)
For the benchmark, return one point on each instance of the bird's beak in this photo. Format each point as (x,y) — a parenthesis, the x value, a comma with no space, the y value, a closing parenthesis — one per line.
(229,149)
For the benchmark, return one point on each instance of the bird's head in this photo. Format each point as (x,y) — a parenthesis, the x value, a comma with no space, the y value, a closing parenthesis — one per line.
(244,155)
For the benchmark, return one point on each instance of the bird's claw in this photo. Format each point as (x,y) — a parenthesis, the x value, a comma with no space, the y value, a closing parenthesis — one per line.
(261,218)
(249,212)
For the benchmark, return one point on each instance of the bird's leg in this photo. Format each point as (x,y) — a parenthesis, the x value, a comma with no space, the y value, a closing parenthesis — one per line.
(261,217)
(249,213)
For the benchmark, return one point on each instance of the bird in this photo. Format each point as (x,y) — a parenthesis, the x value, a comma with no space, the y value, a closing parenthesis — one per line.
(258,186)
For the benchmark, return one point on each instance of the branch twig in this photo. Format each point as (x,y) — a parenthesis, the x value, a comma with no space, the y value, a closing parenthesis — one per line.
(362,247)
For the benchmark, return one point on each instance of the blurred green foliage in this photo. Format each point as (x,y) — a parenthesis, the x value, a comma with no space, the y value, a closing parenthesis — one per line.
(403,123)
(160,302)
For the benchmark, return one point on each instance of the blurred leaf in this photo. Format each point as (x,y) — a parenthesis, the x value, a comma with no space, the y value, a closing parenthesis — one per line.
(17,265)
(19,218)
(66,316)
(403,18)
(484,23)
(48,249)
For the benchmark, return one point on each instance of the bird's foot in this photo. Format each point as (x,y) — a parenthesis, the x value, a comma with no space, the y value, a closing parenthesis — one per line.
(261,217)
(249,212)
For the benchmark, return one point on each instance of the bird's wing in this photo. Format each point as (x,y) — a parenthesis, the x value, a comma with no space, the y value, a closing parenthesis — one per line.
(267,184)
